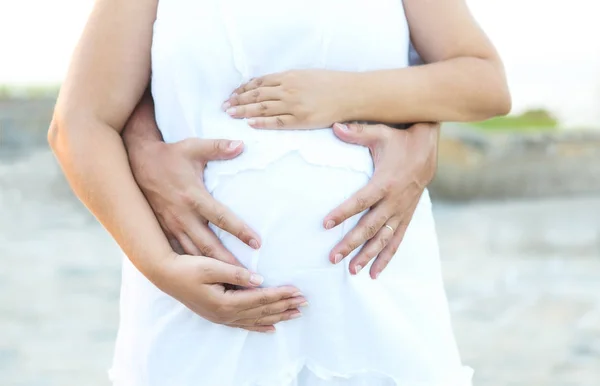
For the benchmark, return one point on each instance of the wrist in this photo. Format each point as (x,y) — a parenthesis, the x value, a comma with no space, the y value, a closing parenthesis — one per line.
(141,154)
(351,100)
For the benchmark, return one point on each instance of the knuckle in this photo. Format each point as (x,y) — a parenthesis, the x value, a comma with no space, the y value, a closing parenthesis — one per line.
(238,277)
(242,234)
(279,122)
(384,189)
(207,271)
(177,222)
(216,145)
(263,108)
(361,203)
(382,218)
(266,311)
(383,242)
(370,231)
(255,95)
(221,219)
(352,245)
(264,299)
(257,321)
(207,250)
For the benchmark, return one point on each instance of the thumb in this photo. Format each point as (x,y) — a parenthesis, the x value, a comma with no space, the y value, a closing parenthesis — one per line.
(219,272)
(213,149)
(357,133)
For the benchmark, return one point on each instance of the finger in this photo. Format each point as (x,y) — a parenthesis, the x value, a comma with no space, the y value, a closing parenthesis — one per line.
(257,95)
(176,245)
(386,255)
(205,205)
(188,245)
(254,328)
(247,299)
(271,319)
(215,272)
(270,80)
(260,109)
(279,122)
(360,201)
(208,243)
(361,134)
(374,246)
(365,230)
(211,149)
(276,308)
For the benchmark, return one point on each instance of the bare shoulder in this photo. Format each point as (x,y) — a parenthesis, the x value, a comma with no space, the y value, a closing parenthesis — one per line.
(110,66)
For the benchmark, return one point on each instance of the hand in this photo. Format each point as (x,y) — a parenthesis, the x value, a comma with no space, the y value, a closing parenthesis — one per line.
(170,176)
(298,99)
(196,281)
(405,162)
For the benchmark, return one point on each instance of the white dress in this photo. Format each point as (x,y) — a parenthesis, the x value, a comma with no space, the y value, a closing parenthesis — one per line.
(356,331)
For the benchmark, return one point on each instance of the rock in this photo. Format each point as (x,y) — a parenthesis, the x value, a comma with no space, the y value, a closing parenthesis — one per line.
(500,165)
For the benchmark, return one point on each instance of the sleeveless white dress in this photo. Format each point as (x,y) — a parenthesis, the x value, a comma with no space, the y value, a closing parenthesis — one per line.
(356,331)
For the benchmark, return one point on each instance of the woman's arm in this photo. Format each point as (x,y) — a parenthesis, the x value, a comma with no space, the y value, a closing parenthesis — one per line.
(464,81)
(108,74)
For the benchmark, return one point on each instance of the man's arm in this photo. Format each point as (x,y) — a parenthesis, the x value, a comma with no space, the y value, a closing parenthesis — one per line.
(141,128)
(179,199)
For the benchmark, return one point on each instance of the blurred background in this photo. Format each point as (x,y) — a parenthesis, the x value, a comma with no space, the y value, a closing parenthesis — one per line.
(516,199)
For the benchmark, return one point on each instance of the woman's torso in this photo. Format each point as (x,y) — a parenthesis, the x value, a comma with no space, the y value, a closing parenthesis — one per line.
(203,50)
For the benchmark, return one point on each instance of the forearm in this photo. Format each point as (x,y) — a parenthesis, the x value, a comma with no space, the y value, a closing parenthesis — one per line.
(456,90)
(95,163)
(141,127)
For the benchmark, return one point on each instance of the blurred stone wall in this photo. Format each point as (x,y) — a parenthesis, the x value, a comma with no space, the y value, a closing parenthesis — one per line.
(24,123)
(472,164)
(498,165)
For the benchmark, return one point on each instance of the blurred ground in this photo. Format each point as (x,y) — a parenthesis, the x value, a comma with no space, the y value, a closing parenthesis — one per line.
(523,280)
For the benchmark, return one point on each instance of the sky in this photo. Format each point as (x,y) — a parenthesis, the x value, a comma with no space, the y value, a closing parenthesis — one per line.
(550,48)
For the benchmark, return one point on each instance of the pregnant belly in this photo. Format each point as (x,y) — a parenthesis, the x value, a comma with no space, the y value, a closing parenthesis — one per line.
(286,202)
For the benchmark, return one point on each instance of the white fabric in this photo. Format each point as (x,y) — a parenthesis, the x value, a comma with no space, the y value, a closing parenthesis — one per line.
(392,331)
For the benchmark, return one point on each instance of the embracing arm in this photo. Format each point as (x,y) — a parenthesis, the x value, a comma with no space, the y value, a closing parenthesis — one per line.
(464,81)
(108,74)
(141,126)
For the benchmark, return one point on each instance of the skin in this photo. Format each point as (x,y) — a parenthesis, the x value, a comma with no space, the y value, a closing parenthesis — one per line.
(184,208)
(90,115)
(463,81)
(114,54)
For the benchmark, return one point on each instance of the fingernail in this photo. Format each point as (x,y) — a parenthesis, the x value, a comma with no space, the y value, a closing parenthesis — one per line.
(233,94)
(296,315)
(256,279)
(343,127)
(272,331)
(337,258)
(226,105)
(329,224)
(376,276)
(253,244)
(357,269)
(251,122)
(303,304)
(296,294)
(231,111)
(234,144)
